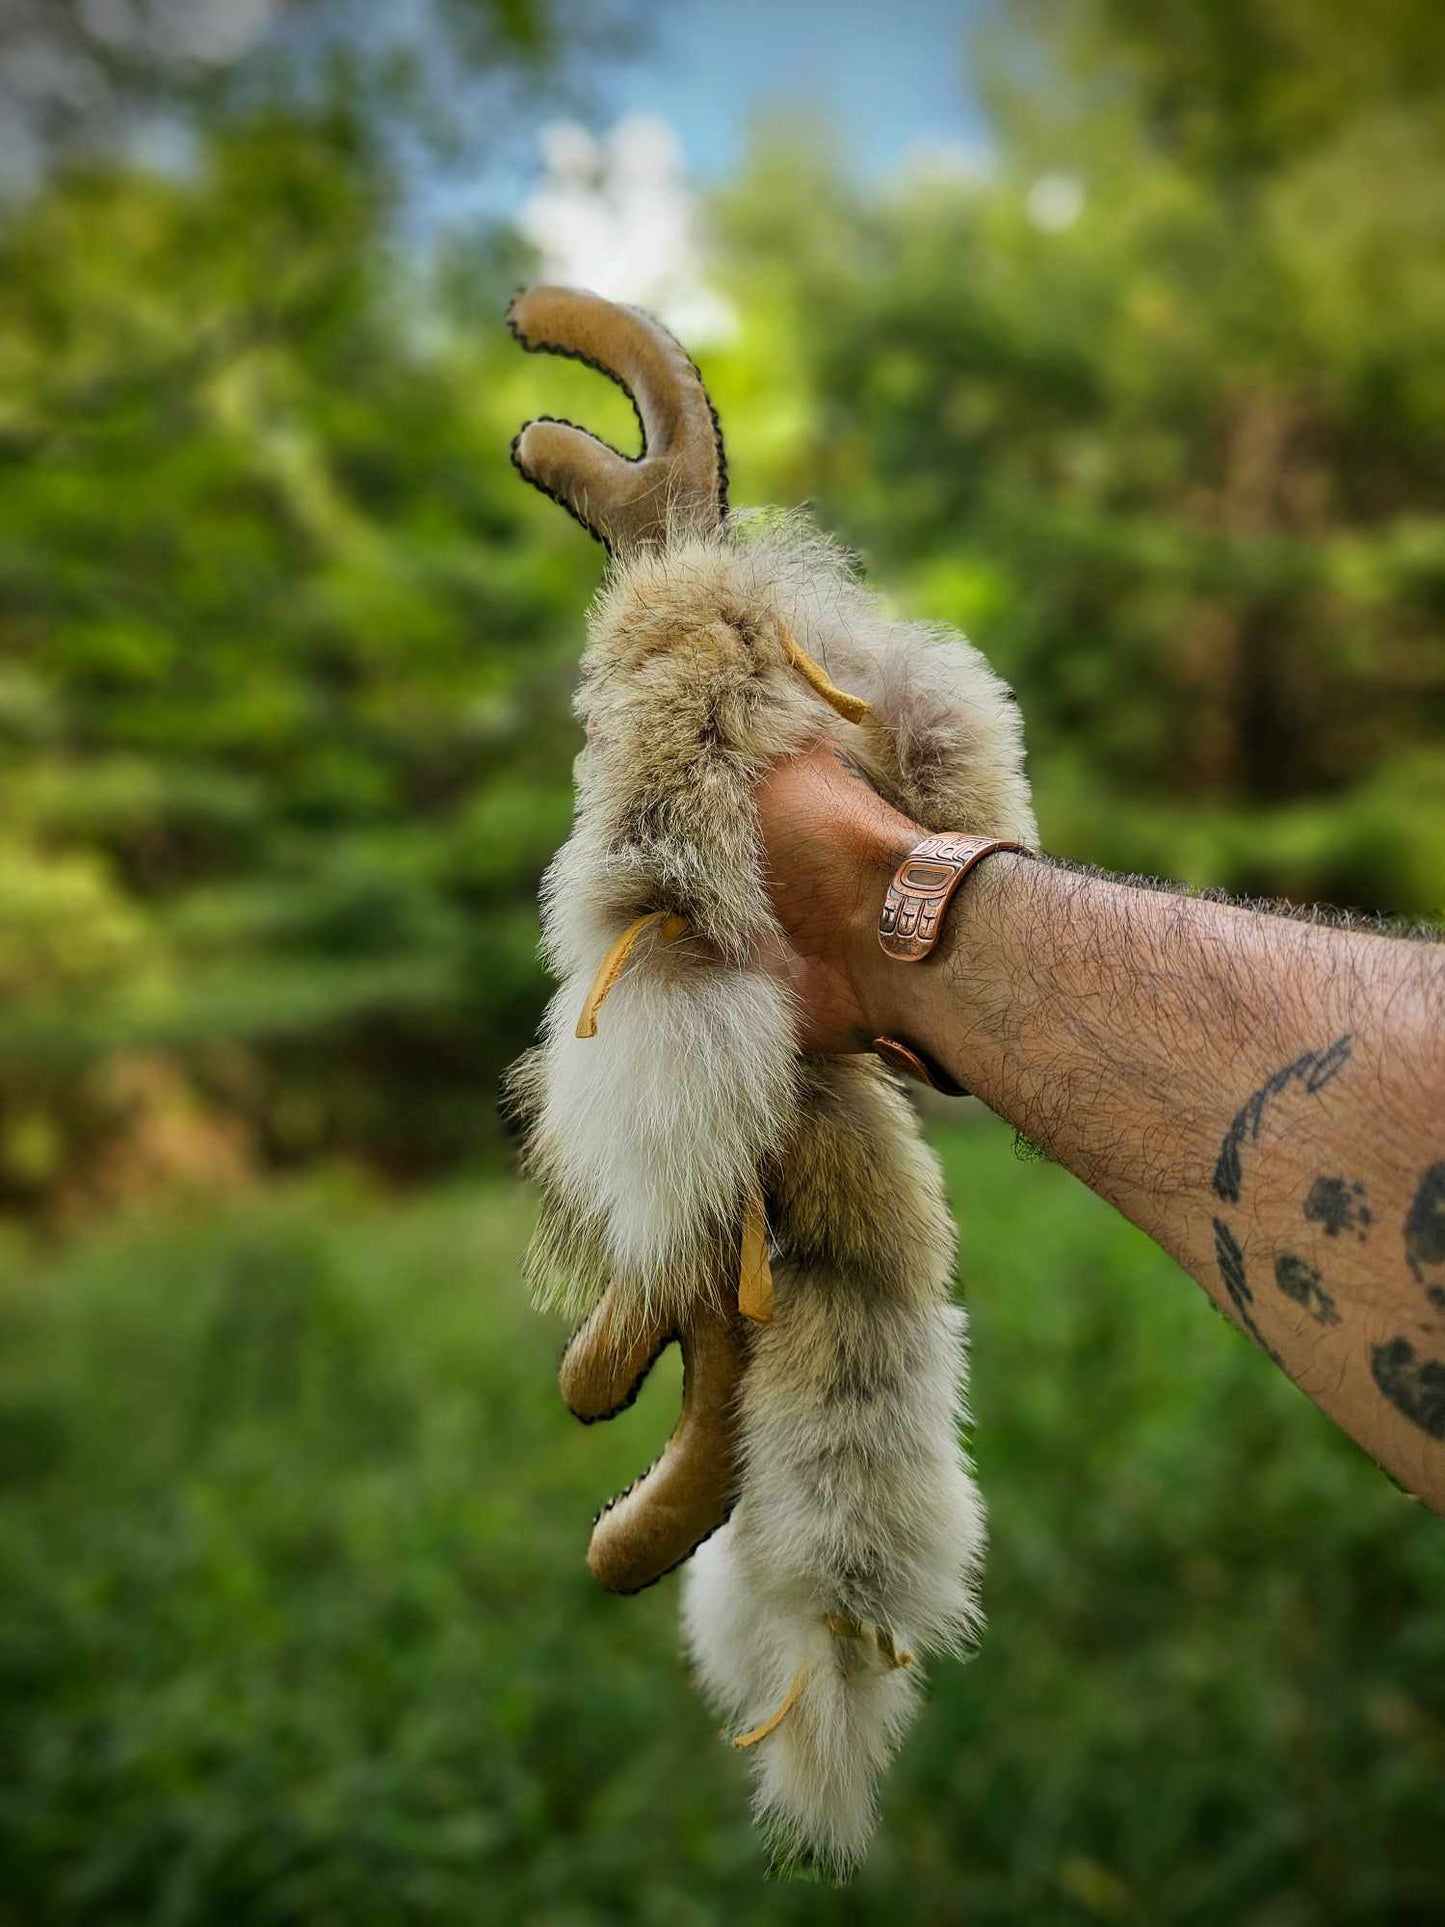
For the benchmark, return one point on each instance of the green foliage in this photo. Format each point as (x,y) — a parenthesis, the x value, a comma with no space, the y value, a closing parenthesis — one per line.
(298,1629)
(285,648)
(286,684)
(91,79)
(1155,409)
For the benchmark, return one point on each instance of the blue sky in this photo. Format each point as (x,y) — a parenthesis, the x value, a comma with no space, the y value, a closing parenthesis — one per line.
(616,208)
(891,74)
(892,79)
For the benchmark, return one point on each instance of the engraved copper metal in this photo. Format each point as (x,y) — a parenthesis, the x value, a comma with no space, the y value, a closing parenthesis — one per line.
(903,1057)
(923,886)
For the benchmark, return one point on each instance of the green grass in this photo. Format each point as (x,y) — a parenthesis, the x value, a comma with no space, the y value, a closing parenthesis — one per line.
(296,1625)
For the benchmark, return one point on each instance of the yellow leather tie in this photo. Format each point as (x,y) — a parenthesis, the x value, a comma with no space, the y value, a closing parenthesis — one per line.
(755,1273)
(615,962)
(853,709)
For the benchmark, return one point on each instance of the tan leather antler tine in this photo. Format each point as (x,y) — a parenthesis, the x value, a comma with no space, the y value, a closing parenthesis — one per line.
(679,482)
(575,469)
(607,1358)
(679,1501)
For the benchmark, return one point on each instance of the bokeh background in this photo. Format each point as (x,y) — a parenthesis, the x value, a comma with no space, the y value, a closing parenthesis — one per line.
(1112,333)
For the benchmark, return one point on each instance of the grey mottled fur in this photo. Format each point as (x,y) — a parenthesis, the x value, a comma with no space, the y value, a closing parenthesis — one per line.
(856,1499)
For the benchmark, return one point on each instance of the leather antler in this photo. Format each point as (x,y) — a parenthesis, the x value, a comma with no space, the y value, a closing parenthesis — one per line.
(688,1493)
(679,482)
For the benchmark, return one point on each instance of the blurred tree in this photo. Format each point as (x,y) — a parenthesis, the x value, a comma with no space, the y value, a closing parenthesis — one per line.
(93,77)
(1152,402)
(283,673)
(1155,405)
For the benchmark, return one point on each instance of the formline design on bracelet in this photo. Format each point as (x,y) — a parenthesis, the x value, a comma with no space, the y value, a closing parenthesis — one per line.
(924,885)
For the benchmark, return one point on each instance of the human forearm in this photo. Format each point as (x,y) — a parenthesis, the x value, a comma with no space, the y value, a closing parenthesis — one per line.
(1265,1097)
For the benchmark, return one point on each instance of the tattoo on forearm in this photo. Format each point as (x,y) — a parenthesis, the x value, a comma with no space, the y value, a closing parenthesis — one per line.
(852,765)
(1338,1205)
(1230,1259)
(1410,1379)
(1414,1386)
(1300,1280)
(1312,1071)
(1425,1234)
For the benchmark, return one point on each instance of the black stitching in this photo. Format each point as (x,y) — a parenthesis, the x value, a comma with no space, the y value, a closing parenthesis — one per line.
(578,354)
(551,494)
(601,1418)
(631,1592)
(587,361)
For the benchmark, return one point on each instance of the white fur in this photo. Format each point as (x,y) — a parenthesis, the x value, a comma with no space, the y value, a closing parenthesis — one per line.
(661,1127)
(864,1502)
(856,1505)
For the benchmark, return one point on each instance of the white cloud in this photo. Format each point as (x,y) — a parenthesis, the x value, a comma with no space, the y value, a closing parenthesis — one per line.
(616,215)
(1055,202)
(215,34)
(936,162)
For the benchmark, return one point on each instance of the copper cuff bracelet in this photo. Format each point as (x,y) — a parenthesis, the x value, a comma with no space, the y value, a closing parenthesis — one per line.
(923,886)
(915,1063)
(911,921)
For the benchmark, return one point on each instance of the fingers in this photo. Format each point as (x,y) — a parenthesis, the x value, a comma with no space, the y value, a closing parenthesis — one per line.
(680,480)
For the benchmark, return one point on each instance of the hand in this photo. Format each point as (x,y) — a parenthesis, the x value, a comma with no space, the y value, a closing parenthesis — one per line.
(831,844)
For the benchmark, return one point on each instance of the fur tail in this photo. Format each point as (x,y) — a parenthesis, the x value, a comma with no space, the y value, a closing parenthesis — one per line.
(853,1553)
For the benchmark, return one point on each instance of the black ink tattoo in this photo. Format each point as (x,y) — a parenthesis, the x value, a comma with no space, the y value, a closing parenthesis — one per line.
(1338,1205)
(1314,1070)
(1425,1232)
(1413,1386)
(852,765)
(1300,1280)
(1231,1269)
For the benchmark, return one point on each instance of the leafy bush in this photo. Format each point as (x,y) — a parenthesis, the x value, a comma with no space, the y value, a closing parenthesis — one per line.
(286,650)
(297,1627)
